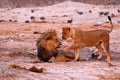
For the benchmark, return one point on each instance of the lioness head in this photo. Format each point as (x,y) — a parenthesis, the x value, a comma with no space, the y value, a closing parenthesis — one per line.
(48,45)
(66,33)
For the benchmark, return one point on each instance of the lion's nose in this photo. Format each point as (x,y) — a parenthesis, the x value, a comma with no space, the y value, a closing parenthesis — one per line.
(60,43)
(63,37)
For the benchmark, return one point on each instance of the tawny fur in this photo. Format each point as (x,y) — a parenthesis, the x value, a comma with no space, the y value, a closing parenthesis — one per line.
(88,39)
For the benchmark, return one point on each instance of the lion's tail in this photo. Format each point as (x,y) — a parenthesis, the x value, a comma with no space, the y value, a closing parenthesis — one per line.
(109,18)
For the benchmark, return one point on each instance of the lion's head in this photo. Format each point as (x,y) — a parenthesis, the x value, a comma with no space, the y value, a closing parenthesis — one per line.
(47,45)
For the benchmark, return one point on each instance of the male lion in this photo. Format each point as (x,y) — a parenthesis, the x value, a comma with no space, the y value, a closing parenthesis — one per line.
(88,39)
(47,48)
(47,45)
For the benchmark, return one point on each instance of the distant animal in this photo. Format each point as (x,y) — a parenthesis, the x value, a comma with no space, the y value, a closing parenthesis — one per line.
(27,21)
(118,10)
(70,21)
(32,17)
(106,13)
(79,12)
(90,11)
(32,10)
(101,13)
(88,39)
(42,18)
(10,20)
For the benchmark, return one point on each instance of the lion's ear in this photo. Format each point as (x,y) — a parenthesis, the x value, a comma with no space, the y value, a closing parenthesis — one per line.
(48,38)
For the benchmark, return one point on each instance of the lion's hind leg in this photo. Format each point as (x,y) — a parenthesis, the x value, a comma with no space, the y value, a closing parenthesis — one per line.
(62,58)
(99,47)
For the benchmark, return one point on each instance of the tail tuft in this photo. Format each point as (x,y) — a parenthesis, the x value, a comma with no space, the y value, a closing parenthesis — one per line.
(111,24)
(109,18)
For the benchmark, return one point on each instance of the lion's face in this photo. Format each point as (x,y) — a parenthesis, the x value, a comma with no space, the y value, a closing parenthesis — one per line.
(65,33)
(49,41)
(53,43)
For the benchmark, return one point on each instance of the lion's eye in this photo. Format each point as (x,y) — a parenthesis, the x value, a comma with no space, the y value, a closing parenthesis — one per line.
(63,33)
(56,40)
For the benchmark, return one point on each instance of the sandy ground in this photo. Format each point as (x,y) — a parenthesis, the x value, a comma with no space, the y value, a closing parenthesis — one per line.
(18,43)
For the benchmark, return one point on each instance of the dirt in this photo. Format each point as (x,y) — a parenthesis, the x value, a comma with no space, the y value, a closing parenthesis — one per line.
(18,47)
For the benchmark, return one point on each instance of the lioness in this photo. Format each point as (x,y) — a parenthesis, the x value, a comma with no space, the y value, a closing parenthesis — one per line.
(88,39)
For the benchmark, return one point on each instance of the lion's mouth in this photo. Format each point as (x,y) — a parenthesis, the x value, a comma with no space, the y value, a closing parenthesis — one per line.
(57,48)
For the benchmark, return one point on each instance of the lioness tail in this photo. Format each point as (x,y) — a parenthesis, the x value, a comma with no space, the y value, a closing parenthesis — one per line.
(109,18)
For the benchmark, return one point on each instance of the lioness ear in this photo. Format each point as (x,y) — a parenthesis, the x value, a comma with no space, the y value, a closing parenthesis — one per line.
(68,29)
(63,28)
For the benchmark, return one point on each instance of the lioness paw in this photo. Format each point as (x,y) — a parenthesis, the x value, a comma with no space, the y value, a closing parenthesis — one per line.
(108,59)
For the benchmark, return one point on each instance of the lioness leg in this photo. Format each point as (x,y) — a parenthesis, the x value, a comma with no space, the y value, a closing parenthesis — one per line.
(76,53)
(67,49)
(106,45)
(74,46)
(98,46)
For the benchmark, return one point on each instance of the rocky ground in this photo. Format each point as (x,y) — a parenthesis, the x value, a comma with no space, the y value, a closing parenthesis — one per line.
(18,43)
